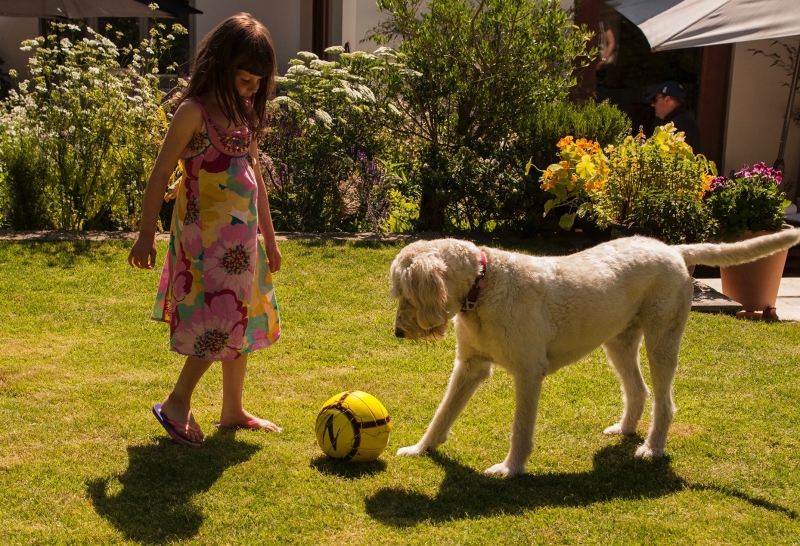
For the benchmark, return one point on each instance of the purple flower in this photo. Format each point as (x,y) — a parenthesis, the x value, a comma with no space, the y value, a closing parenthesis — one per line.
(744,173)
(719,182)
(760,174)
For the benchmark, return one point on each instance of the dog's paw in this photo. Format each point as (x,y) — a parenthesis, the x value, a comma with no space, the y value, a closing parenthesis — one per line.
(412,451)
(647,452)
(617,429)
(501,470)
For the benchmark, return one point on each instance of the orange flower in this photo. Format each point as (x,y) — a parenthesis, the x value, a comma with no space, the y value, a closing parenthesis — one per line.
(564,142)
(587,146)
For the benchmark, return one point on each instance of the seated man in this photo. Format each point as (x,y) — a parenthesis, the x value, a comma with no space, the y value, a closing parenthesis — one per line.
(668,103)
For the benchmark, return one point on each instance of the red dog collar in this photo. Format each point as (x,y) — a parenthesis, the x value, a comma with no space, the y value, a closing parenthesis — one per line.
(480,282)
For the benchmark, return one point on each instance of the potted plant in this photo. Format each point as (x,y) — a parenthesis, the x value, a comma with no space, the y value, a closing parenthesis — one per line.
(653,186)
(747,204)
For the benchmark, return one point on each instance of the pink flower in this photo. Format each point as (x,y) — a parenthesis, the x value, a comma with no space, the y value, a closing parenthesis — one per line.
(214,331)
(245,176)
(182,284)
(192,167)
(230,262)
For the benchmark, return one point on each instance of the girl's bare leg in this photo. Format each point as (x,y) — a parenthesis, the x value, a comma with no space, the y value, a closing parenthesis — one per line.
(177,407)
(233,414)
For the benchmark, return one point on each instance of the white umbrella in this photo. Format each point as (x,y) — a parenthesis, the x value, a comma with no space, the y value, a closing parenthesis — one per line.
(677,24)
(72,9)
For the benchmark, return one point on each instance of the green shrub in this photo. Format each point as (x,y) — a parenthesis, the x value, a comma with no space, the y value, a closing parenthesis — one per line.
(672,218)
(475,74)
(602,123)
(24,200)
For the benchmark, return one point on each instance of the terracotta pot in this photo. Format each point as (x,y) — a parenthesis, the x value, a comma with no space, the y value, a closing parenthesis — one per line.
(755,285)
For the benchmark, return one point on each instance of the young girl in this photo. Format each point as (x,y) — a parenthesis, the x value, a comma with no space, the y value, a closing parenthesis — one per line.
(216,287)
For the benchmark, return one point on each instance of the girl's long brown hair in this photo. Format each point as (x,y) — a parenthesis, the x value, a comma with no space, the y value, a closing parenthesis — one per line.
(239,42)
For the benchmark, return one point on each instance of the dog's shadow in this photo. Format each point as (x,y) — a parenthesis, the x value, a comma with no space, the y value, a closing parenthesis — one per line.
(466,493)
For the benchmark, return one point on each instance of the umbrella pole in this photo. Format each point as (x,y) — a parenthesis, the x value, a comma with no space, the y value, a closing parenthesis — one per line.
(779,163)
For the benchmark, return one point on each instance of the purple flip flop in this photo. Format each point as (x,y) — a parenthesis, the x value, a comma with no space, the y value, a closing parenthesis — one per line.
(169,426)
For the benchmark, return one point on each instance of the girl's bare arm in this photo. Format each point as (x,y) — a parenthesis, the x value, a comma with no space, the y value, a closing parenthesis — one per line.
(264,214)
(186,122)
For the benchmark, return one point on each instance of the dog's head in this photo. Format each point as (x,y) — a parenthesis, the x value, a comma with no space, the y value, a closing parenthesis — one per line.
(418,285)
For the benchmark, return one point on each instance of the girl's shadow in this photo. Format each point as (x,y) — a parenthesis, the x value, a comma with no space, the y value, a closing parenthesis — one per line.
(151,502)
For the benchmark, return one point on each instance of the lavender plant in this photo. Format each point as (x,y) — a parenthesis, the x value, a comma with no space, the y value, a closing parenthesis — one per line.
(483,71)
(330,162)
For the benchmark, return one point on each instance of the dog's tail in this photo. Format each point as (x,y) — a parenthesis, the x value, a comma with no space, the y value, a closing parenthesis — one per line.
(725,254)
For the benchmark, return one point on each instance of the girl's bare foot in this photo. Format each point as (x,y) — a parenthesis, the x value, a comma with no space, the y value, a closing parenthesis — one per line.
(181,418)
(245,419)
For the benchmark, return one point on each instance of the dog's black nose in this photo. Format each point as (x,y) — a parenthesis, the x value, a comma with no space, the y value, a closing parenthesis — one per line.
(399,333)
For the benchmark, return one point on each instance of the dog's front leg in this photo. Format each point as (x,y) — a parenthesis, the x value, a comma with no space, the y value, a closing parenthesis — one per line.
(468,374)
(527,388)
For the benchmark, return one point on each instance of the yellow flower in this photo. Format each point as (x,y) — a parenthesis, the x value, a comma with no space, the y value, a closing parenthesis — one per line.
(707,178)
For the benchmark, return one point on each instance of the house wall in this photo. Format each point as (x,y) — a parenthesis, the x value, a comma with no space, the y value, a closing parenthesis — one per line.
(758,96)
(13,30)
(358,17)
(289,22)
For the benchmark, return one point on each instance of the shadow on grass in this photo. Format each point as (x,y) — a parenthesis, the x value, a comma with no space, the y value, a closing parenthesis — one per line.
(152,501)
(542,244)
(332,242)
(347,470)
(66,254)
(466,494)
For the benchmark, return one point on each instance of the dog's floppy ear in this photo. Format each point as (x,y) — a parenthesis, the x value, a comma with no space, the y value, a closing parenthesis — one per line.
(423,284)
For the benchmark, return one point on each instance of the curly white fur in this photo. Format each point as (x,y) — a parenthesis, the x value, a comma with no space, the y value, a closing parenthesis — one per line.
(539,314)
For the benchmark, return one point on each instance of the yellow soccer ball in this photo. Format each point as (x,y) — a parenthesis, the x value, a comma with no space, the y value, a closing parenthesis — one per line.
(353,426)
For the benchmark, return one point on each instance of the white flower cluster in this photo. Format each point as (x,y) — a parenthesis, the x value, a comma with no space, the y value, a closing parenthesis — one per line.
(99,124)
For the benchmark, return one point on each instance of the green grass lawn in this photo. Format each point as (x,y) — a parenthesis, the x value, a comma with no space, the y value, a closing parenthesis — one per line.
(82,460)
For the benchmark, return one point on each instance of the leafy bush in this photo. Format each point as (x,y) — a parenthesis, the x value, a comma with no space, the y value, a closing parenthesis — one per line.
(601,122)
(476,73)
(24,200)
(658,182)
(662,163)
(522,210)
(97,124)
(674,219)
(328,158)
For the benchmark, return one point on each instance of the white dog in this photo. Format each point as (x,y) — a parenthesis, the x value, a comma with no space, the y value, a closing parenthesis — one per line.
(534,315)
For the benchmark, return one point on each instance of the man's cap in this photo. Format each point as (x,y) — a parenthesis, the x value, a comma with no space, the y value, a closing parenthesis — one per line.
(673,89)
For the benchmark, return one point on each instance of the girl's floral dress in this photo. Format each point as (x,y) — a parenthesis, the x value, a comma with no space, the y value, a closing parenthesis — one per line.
(216,288)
